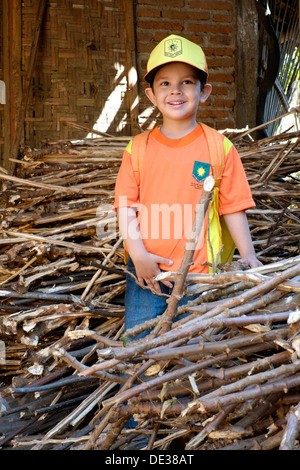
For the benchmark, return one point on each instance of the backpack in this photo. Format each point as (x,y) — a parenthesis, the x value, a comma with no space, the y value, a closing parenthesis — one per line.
(218,233)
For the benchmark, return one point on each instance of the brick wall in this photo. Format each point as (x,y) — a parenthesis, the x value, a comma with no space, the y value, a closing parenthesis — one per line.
(211,24)
(82,43)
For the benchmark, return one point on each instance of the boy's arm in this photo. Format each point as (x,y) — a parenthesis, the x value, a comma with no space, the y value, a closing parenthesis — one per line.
(146,264)
(238,227)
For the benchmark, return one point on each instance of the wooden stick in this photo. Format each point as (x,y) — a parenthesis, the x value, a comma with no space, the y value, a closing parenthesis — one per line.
(292,429)
(165,323)
(74,246)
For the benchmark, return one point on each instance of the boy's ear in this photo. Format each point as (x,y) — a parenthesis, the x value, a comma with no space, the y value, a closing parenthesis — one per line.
(150,95)
(205,92)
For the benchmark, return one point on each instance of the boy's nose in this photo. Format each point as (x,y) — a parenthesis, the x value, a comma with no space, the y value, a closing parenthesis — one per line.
(176,90)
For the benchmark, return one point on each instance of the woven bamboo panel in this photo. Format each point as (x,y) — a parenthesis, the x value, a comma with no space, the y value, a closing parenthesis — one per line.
(1,78)
(81,52)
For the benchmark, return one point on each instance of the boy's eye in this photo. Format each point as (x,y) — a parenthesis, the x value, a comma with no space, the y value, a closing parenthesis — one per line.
(187,81)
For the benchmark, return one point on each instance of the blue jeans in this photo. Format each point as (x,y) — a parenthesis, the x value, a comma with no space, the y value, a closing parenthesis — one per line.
(142,305)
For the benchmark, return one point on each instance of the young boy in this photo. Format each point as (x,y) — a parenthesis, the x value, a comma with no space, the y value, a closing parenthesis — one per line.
(176,162)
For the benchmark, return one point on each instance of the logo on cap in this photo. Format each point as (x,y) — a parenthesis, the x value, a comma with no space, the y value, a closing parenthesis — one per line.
(173,47)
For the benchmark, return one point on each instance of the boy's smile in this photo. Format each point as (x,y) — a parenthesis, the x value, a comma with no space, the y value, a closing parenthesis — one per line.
(176,92)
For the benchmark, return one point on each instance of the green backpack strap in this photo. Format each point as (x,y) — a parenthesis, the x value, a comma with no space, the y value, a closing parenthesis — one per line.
(218,233)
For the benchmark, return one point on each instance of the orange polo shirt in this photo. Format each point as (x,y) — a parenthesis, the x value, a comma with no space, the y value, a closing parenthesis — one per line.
(171,182)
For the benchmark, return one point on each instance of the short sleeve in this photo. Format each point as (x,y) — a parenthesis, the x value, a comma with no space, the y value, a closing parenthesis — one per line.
(126,188)
(235,193)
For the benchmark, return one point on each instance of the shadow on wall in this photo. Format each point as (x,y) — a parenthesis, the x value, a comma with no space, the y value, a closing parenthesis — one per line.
(112,118)
(80,77)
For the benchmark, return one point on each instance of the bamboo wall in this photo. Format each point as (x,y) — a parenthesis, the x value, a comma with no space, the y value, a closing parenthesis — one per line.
(2,79)
(79,72)
(85,51)
(81,54)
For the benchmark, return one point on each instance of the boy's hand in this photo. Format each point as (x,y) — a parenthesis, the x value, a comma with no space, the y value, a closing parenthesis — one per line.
(251,261)
(146,264)
(147,267)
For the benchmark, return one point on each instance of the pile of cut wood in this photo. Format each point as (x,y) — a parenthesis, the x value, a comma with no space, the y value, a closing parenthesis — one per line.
(225,376)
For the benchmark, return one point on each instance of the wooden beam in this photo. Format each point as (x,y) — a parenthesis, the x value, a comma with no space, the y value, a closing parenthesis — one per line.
(246,64)
(131,66)
(12,72)
(19,126)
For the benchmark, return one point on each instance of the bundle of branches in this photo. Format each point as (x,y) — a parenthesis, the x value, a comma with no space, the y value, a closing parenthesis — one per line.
(224,375)
(61,260)
(272,166)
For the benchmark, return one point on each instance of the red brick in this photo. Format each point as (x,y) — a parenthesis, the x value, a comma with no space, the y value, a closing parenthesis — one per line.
(166,3)
(151,12)
(219,51)
(221,103)
(227,124)
(144,36)
(146,47)
(185,15)
(221,61)
(212,113)
(219,90)
(210,28)
(159,36)
(209,24)
(222,18)
(210,5)
(195,38)
(221,77)
(167,26)
(217,40)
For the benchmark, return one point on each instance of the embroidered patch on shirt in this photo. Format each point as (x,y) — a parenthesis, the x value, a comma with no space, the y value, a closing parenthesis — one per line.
(201,171)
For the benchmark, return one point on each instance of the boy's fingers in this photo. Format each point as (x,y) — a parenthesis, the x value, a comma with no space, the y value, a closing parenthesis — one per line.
(251,261)
(154,285)
(141,281)
(150,283)
(166,261)
(168,284)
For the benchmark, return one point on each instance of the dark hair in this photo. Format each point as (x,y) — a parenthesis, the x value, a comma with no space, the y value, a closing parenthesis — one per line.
(202,76)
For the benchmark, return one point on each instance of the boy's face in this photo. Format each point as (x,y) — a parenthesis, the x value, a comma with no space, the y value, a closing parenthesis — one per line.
(176,91)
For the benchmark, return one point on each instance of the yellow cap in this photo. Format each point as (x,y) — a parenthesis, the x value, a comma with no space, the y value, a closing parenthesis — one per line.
(175,49)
